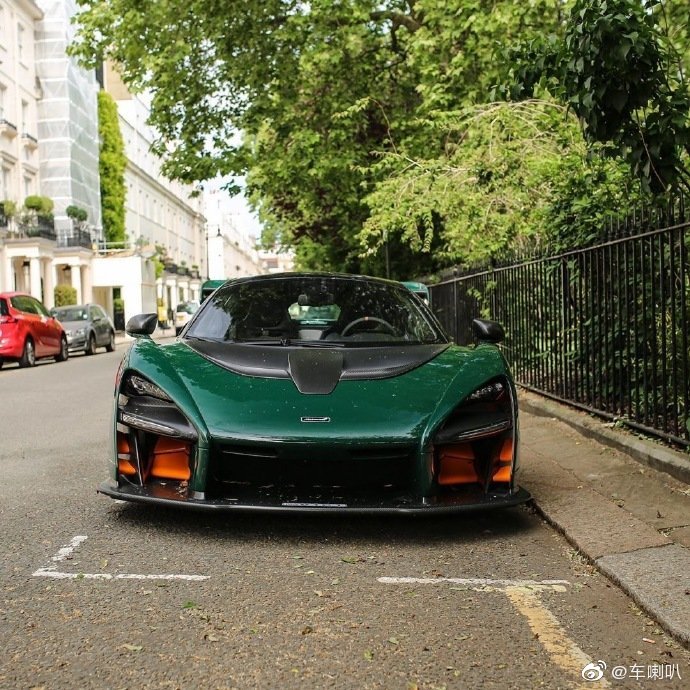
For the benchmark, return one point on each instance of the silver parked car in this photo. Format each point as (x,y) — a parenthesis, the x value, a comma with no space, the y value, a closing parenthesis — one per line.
(87,327)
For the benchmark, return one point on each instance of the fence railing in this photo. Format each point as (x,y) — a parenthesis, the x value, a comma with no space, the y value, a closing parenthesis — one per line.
(37,228)
(76,237)
(605,328)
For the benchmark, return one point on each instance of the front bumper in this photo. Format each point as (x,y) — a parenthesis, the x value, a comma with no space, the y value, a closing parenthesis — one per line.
(76,344)
(363,504)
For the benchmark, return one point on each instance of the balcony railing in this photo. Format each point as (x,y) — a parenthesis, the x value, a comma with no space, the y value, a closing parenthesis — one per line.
(76,238)
(8,128)
(36,228)
(30,141)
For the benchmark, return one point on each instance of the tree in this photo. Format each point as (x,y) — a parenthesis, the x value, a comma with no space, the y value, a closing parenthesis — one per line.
(319,90)
(334,98)
(111,165)
(620,73)
(76,213)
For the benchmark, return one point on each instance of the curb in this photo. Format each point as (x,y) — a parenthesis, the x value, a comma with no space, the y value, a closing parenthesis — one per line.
(657,457)
(641,560)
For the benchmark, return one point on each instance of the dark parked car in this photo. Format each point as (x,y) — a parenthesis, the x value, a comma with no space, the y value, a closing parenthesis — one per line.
(87,327)
(28,332)
(314,393)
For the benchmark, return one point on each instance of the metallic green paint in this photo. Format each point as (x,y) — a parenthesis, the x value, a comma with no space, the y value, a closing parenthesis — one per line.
(229,406)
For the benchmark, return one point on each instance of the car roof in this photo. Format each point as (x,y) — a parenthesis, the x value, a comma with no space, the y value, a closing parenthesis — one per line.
(15,293)
(316,274)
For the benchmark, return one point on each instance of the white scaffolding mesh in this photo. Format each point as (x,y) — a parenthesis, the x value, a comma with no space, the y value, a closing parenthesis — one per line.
(67,119)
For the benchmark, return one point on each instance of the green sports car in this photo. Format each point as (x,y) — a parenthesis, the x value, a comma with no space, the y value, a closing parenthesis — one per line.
(315,393)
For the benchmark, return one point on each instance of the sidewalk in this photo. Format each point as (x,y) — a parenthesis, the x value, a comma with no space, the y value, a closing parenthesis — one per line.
(630,520)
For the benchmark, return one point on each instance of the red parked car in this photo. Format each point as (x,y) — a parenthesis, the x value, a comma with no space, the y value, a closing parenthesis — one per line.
(28,332)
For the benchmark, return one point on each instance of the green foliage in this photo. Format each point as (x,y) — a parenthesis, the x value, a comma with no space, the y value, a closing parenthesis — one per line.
(41,205)
(9,208)
(586,193)
(118,305)
(487,189)
(37,207)
(64,295)
(368,124)
(111,165)
(76,213)
(618,71)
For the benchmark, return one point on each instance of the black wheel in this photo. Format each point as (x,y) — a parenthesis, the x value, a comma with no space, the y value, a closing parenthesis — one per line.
(28,358)
(110,346)
(90,345)
(1,363)
(64,350)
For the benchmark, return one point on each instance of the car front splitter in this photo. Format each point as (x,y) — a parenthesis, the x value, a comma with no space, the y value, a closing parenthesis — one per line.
(168,495)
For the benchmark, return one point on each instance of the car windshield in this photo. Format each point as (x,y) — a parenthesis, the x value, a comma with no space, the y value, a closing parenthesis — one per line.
(70,314)
(315,310)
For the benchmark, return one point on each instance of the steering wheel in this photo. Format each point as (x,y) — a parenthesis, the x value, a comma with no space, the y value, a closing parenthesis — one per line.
(363,319)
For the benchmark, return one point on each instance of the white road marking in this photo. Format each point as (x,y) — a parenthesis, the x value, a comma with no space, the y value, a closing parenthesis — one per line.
(482,583)
(523,595)
(66,552)
(46,572)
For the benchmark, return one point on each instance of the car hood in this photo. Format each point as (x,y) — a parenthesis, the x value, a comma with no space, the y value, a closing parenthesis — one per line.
(405,405)
(75,325)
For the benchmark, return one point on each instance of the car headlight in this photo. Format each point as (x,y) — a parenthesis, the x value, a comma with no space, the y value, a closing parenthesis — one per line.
(155,439)
(80,332)
(476,443)
(137,385)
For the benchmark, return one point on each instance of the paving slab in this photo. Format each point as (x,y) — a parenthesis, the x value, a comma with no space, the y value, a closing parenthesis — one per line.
(680,536)
(595,525)
(574,452)
(652,454)
(658,579)
(647,498)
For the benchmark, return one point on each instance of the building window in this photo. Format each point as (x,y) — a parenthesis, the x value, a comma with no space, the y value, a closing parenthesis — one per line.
(25,117)
(28,186)
(3,101)
(6,182)
(20,42)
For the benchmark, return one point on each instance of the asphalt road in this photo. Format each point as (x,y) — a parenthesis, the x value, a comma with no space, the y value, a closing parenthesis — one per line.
(100,594)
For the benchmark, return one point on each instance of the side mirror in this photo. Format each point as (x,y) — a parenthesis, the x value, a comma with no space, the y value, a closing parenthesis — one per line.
(488,331)
(141,325)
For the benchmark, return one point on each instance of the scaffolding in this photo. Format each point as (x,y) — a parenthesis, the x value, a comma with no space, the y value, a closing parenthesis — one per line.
(67,121)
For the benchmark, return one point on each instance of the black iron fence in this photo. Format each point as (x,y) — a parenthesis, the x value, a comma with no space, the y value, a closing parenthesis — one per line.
(605,328)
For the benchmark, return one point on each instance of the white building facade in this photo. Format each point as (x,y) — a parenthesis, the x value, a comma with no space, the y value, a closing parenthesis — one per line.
(231,247)
(49,147)
(160,214)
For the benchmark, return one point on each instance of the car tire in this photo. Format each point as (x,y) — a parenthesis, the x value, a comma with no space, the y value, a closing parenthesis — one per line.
(28,358)
(64,350)
(1,363)
(110,345)
(90,348)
